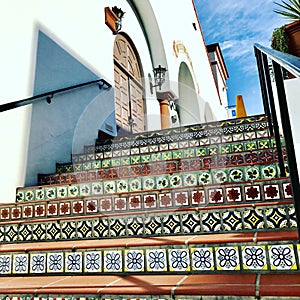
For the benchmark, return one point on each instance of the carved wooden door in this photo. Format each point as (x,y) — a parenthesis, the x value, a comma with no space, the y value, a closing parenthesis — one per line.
(129,102)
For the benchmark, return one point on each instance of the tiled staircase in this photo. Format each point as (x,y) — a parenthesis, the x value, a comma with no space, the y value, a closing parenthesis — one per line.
(191,212)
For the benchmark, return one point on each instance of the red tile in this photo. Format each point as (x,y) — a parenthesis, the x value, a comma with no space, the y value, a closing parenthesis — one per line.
(288,235)
(219,284)
(284,285)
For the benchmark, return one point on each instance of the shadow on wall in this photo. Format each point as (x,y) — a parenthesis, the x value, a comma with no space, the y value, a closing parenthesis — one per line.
(53,125)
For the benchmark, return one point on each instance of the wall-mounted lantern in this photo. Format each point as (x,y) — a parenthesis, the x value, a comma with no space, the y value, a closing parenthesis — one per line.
(159,77)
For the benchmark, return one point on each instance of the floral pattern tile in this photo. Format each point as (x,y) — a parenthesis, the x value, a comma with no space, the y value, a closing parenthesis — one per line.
(227,258)
(156,260)
(179,260)
(254,258)
(202,259)
(282,257)
(134,261)
(113,261)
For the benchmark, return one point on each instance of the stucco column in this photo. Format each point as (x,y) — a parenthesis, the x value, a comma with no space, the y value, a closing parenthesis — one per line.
(163,99)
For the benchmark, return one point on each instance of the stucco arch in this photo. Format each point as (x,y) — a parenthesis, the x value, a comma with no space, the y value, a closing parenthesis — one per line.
(187,103)
(148,22)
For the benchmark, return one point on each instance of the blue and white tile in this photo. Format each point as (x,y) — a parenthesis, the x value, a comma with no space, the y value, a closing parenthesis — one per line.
(254,258)
(113,261)
(134,261)
(179,260)
(38,263)
(202,259)
(20,263)
(282,257)
(227,258)
(5,264)
(73,262)
(55,262)
(92,261)
(156,260)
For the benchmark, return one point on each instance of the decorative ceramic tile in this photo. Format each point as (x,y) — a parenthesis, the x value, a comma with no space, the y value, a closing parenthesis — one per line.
(16,213)
(233,194)
(20,196)
(191,223)
(77,207)
(62,192)
(162,181)
(11,233)
(215,196)
(85,189)
(149,201)
(73,191)
(38,263)
(202,259)
(73,262)
(134,202)
(112,261)
(40,194)
(65,208)
(236,175)
(5,264)
(24,232)
(165,200)
(268,172)
(120,204)
(84,229)
(276,218)
(171,224)
(252,193)
(156,260)
(50,193)
(20,264)
(292,217)
(220,176)
(232,221)
(149,183)
(101,228)
(4,213)
(134,260)
(105,204)
(282,257)
(68,230)
(117,227)
(254,219)
(109,187)
(92,261)
(271,192)
(211,221)
(189,179)
(181,198)
(153,225)
(252,173)
(91,206)
(198,197)
(287,190)
(135,226)
(227,258)
(179,260)
(237,137)
(122,186)
(205,178)
(135,184)
(254,258)
(175,181)
(40,210)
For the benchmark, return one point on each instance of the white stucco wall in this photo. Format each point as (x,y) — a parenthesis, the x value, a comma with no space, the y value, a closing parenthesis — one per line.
(78,27)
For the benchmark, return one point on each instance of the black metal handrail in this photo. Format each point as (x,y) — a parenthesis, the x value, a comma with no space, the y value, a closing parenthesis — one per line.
(289,62)
(48,95)
(280,62)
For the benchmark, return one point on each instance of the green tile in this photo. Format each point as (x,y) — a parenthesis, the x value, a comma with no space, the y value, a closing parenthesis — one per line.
(167,155)
(201,151)
(115,162)
(249,146)
(156,156)
(237,147)
(177,154)
(125,161)
(136,159)
(225,149)
(146,158)
(106,163)
(189,152)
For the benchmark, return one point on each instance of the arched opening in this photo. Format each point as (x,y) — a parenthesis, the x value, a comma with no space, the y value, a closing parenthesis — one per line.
(129,102)
(187,104)
(208,114)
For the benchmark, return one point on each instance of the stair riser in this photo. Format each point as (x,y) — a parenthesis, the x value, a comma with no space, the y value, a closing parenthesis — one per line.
(177,198)
(199,259)
(244,219)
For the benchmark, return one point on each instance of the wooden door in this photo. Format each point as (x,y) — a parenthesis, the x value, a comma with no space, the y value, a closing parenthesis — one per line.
(129,102)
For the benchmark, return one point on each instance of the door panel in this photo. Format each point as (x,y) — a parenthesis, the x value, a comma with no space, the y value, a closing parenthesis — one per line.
(129,102)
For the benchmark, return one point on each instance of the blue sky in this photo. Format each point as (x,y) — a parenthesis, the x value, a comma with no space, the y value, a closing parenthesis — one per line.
(236,25)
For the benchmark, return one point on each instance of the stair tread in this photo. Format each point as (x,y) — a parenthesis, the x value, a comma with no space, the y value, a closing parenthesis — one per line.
(283,284)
